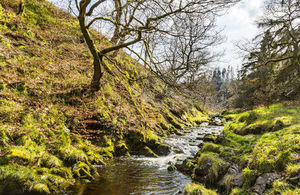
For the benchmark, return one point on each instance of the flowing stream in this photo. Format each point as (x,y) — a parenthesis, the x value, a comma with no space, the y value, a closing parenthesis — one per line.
(143,175)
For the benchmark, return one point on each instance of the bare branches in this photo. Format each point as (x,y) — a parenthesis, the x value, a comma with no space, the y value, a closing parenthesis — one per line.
(129,22)
(123,45)
(94,6)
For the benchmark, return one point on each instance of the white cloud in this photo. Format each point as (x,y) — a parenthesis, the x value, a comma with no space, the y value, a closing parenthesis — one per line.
(238,23)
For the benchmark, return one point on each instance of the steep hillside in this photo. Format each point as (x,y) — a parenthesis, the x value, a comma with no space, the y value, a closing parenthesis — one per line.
(52,127)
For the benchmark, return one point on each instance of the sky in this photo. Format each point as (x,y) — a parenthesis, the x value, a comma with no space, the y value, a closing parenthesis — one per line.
(238,24)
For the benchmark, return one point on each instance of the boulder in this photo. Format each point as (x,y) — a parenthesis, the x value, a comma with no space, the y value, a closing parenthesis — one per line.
(262,182)
(121,149)
(233,178)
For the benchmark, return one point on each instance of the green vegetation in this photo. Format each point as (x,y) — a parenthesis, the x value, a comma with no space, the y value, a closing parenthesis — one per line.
(196,189)
(52,128)
(209,166)
(260,141)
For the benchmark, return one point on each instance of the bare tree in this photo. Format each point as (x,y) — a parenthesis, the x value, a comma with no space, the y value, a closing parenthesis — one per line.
(132,21)
(186,56)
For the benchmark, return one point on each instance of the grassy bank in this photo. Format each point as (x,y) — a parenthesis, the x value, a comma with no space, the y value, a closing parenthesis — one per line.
(258,153)
(52,129)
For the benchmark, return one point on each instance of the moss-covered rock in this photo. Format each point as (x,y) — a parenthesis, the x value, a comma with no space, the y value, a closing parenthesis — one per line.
(19,179)
(20,155)
(139,143)
(187,166)
(159,148)
(171,120)
(210,138)
(197,189)
(146,151)
(49,161)
(210,168)
(211,147)
(72,155)
(82,170)
(121,149)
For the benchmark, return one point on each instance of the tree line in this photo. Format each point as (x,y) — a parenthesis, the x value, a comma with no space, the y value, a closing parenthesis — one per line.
(271,69)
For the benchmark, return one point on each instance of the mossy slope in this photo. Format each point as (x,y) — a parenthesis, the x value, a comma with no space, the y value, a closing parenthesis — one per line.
(52,129)
(261,145)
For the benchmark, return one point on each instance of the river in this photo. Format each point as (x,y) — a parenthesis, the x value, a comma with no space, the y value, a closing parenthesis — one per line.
(143,175)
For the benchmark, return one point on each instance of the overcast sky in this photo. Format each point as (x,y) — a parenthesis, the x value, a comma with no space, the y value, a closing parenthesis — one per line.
(238,24)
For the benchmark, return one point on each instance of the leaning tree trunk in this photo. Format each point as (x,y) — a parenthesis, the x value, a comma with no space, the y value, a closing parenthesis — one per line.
(97,58)
(21,7)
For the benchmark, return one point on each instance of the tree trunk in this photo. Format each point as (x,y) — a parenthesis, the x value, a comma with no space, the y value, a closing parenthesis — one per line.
(97,58)
(118,7)
(95,85)
(21,7)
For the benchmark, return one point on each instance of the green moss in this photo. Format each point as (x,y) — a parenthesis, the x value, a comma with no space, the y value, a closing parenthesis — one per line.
(20,155)
(227,181)
(19,179)
(274,151)
(210,167)
(40,188)
(196,116)
(295,191)
(121,149)
(64,172)
(197,189)
(211,147)
(282,187)
(188,166)
(238,191)
(82,170)
(171,120)
(248,117)
(49,161)
(148,152)
(249,176)
(164,126)
(72,155)
(292,170)
(172,167)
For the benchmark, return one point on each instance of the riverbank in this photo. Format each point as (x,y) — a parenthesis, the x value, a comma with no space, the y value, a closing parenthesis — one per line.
(257,154)
(53,129)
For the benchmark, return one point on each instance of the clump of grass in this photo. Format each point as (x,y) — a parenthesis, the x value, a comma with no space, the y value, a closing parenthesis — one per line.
(249,176)
(195,189)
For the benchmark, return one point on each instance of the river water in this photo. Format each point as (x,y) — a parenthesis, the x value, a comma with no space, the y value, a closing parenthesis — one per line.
(143,175)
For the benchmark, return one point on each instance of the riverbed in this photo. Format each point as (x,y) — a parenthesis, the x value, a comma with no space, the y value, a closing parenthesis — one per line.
(144,175)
